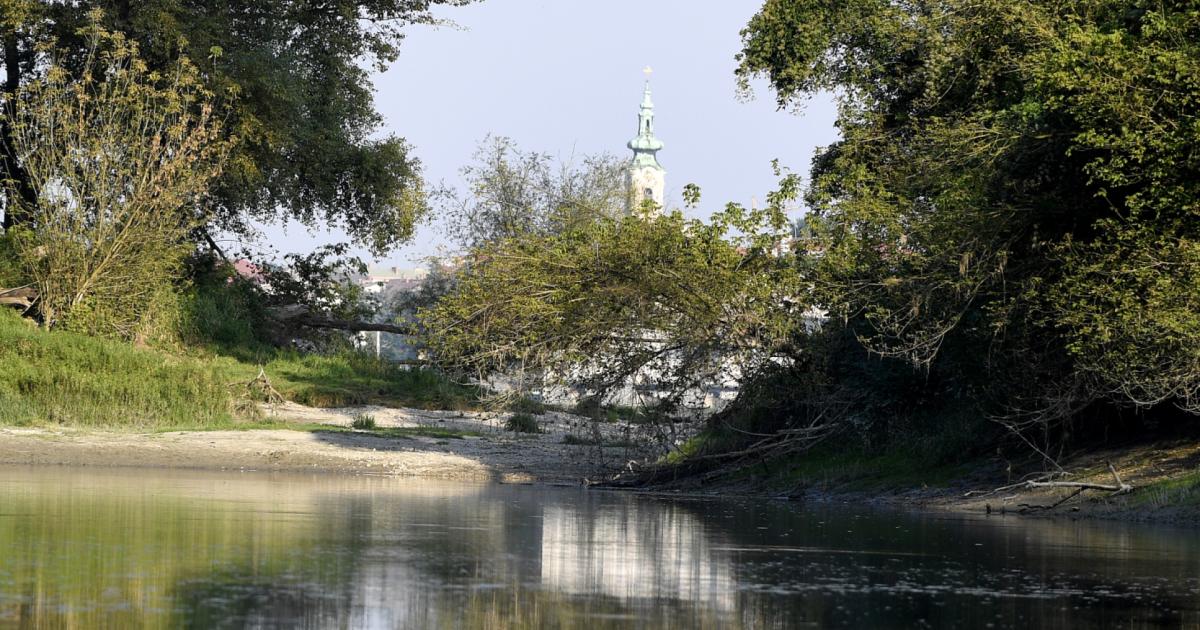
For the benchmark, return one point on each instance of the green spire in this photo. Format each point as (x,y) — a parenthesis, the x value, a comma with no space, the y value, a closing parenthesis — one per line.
(645,146)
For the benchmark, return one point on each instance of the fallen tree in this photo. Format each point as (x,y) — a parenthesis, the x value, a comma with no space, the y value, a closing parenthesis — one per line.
(299,315)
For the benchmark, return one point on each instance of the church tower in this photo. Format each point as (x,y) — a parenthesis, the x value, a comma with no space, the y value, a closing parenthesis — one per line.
(646,177)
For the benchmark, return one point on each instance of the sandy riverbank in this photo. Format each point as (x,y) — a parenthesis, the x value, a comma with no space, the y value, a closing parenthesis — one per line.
(488,453)
(1158,473)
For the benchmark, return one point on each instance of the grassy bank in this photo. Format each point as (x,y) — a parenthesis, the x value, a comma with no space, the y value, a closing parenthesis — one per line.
(1164,475)
(346,379)
(71,379)
(63,378)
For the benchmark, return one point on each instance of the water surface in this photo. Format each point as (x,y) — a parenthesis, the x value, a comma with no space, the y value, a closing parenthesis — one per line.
(102,548)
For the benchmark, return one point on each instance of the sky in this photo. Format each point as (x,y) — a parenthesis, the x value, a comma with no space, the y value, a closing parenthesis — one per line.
(564,77)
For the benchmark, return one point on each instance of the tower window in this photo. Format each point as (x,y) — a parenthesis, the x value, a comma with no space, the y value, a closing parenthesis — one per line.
(649,192)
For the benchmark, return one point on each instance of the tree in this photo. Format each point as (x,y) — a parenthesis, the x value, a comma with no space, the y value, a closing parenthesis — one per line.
(1012,203)
(121,159)
(14,16)
(295,78)
(678,302)
(514,193)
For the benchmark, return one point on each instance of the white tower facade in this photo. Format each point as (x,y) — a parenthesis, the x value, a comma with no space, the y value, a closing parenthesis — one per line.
(647,178)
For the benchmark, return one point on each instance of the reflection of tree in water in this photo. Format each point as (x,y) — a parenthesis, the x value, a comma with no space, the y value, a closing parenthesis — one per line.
(633,550)
(249,551)
(422,559)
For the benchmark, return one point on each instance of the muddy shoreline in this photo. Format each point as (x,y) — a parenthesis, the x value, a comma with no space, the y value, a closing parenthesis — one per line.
(485,451)
(1154,472)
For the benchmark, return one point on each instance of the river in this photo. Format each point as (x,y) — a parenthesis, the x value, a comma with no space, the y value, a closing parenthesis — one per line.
(153,548)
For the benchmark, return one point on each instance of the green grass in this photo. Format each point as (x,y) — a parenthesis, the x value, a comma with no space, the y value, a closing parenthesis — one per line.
(592,408)
(400,433)
(1178,491)
(845,469)
(363,422)
(392,433)
(575,440)
(528,405)
(350,378)
(69,379)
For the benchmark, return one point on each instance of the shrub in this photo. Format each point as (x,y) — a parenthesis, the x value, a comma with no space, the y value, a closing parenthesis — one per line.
(522,423)
(363,422)
(527,405)
(123,156)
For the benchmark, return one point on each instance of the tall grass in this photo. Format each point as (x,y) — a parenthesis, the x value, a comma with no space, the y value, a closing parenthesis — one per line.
(226,322)
(198,380)
(349,378)
(73,379)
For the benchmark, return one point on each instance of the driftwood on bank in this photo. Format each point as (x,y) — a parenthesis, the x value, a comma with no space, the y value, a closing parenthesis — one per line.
(299,315)
(19,297)
(261,389)
(1118,487)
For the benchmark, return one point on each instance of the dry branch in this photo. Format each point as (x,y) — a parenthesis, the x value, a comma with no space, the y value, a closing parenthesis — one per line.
(1120,487)
(260,388)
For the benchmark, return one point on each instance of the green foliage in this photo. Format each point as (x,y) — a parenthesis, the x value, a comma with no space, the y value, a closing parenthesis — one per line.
(1182,490)
(12,272)
(522,423)
(363,422)
(1012,205)
(120,158)
(612,298)
(574,440)
(76,380)
(296,78)
(350,378)
(593,408)
(322,281)
(514,193)
(223,311)
(525,404)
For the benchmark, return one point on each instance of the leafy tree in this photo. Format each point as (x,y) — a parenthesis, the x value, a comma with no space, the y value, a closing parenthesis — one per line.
(294,77)
(514,193)
(122,158)
(321,281)
(1013,201)
(678,303)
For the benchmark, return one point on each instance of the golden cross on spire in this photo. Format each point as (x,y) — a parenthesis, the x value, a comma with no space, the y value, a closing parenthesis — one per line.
(647,71)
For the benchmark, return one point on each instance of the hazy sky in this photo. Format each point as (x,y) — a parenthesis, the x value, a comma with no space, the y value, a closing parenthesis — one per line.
(565,77)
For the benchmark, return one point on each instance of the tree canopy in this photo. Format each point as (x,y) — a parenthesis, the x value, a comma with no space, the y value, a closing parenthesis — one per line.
(294,78)
(681,302)
(1020,179)
(512,192)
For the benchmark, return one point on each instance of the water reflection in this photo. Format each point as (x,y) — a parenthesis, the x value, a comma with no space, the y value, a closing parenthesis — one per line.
(124,549)
(631,550)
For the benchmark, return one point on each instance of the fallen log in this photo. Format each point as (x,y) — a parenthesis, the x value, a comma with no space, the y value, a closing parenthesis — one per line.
(1120,487)
(19,297)
(352,326)
(25,291)
(299,315)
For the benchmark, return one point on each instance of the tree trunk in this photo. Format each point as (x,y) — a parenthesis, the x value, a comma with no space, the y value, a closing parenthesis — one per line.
(10,169)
